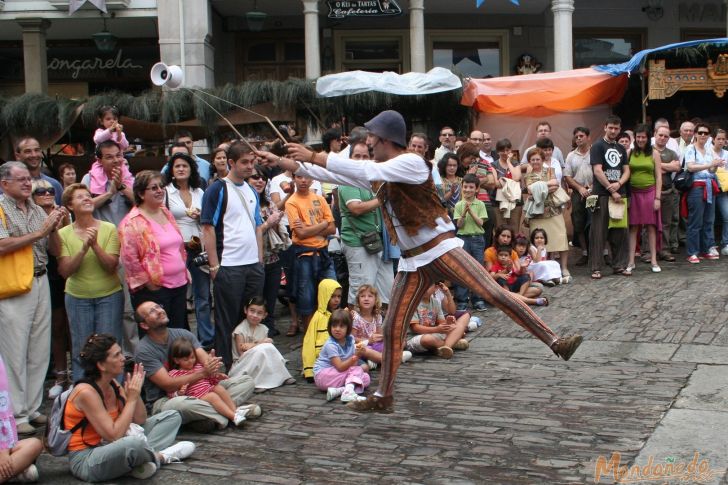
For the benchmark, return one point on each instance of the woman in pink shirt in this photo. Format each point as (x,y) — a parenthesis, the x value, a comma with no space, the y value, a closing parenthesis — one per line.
(152,251)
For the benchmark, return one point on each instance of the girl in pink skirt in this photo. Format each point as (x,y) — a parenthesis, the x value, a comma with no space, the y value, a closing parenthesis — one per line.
(337,368)
(644,203)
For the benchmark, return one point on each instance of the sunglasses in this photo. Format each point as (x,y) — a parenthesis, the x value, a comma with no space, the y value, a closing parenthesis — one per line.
(704,133)
(44,191)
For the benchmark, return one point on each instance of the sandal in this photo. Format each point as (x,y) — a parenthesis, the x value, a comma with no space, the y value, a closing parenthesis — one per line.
(628,270)
(542,301)
(565,280)
(596,275)
(292,330)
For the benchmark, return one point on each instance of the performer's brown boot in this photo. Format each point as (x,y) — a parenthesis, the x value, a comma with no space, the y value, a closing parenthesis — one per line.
(565,347)
(375,404)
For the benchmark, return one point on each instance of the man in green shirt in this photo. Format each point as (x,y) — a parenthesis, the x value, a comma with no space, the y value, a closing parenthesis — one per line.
(361,216)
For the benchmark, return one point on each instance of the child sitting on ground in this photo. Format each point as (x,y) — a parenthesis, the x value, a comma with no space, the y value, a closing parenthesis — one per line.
(337,370)
(254,353)
(546,270)
(435,332)
(508,277)
(183,361)
(367,325)
(329,299)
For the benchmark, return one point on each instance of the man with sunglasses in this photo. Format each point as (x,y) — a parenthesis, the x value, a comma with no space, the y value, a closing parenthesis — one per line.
(27,150)
(25,319)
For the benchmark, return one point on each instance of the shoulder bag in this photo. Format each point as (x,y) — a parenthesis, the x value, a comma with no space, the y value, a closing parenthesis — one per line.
(16,268)
(683,181)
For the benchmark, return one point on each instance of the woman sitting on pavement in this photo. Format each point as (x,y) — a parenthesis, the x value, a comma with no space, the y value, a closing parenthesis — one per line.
(119,439)
(16,457)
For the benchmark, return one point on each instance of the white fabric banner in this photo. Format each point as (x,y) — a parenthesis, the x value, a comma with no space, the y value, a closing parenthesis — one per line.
(436,80)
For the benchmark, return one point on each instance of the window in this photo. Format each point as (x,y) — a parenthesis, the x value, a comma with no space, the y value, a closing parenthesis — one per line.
(477,54)
(594,47)
(271,58)
(374,51)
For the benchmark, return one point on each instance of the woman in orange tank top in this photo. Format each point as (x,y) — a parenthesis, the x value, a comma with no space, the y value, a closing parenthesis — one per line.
(118,438)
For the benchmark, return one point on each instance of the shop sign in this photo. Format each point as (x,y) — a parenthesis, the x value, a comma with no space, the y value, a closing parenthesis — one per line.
(339,9)
(702,11)
(85,66)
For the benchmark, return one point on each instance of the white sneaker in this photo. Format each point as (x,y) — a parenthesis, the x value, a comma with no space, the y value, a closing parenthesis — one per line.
(177,452)
(713,252)
(252,410)
(29,475)
(371,364)
(239,417)
(333,393)
(476,320)
(55,391)
(472,326)
(142,472)
(349,396)
(406,355)
(724,251)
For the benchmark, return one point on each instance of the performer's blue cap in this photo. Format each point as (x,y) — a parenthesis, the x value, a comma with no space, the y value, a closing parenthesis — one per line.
(388,125)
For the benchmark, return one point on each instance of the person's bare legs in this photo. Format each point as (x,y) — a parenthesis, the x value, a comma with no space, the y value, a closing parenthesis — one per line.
(652,238)
(456,333)
(633,231)
(23,454)
(373,355)
(219,404)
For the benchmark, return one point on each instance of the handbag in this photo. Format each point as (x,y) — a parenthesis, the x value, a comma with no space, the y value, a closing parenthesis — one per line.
(371,241)
(16,268)
(560,197)
(683,180)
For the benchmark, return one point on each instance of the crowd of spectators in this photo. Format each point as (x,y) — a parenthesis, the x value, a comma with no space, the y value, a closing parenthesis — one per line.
(116,257)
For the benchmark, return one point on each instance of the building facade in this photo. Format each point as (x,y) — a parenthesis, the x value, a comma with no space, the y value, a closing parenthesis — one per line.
(44,49)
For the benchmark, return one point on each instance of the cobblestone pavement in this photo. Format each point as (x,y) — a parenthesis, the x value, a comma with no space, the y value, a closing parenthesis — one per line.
(507,411)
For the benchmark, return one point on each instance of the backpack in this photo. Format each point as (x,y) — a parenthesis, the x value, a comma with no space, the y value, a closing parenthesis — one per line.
(57,436)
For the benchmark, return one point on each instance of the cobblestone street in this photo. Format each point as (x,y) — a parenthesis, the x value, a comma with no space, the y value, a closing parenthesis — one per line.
(650,382)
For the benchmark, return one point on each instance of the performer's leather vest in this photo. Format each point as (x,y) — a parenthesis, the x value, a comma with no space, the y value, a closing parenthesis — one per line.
(414,206)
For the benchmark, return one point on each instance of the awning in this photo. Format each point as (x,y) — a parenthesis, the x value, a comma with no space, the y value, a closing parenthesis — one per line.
(544,94)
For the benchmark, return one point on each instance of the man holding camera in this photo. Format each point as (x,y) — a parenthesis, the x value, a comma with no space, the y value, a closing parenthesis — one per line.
(232,236)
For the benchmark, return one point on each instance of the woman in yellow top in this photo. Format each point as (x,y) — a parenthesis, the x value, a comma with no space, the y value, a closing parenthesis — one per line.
(644,202)
(117,416)
(88,260)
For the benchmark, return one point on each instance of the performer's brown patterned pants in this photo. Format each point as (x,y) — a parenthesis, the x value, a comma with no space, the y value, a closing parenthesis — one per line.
(459,267)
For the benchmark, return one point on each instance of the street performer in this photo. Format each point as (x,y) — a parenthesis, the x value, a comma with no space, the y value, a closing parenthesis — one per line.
(418,222)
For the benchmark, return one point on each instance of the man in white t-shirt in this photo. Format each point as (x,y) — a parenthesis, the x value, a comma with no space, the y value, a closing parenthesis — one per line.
(543,130)
(233,239)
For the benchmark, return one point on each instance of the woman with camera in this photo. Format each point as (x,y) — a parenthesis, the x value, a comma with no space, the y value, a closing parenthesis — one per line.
(153,251)
(88,260)
(184,200)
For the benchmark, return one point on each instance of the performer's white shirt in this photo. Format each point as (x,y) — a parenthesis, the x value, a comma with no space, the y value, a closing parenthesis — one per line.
(405,168)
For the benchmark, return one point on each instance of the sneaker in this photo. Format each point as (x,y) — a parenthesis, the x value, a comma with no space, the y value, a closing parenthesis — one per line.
(25,429)
(406,355)
(349,396)
(373,403)
(142,472)
(472,326)
(252,410)
(461,344)
(724,250)
(565,347)
(371,364)
(29,475)
(477,320)
(444,352)
(55,391)
(712,254)
(239,417)
(480,306)
(693,259)
(177,452)
(333,392)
